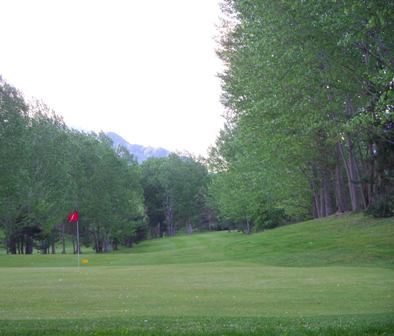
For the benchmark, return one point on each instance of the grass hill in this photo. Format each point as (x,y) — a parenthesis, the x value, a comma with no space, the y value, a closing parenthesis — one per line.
(344,240)
(331,276)
(348,240)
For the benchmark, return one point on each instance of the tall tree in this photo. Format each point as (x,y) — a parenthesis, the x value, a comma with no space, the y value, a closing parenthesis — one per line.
(300,85)
(174,189)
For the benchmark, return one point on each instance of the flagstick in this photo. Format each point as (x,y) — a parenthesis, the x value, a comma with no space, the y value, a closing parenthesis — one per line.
(78,245)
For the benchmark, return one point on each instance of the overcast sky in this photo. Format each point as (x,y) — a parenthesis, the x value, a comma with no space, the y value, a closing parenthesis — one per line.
(143,69)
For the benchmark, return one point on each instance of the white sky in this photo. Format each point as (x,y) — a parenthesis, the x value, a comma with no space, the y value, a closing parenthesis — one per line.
(145,69)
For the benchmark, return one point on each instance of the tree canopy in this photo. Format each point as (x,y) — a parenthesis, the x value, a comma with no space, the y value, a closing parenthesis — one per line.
(49,170)
(308,88)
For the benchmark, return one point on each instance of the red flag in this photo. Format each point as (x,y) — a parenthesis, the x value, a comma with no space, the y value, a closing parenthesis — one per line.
(73,217)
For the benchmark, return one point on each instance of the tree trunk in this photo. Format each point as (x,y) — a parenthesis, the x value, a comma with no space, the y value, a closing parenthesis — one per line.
(340,197)
(315,198)
(63,240)
(43,247)
(129,242)
(359,182)
(99,246)
(76,247)
(327,196)
(170,222)
(351,172)
(12,246)
(106,245)
(22,246)
(159,233)
(315,210)
(29,246)
(169,217)
(370,172)
(322,201)
(247,229)
(189,228)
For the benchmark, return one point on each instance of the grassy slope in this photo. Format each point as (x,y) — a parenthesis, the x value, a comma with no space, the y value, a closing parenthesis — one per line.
(350,240)
(275,282)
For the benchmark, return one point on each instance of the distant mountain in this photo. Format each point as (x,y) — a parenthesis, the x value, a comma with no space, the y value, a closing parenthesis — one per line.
(140,152)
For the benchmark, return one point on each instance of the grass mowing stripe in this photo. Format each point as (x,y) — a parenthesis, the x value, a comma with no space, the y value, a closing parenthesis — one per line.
(198,290)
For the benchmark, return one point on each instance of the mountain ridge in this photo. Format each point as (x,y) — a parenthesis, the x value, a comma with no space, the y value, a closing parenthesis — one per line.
(140,152)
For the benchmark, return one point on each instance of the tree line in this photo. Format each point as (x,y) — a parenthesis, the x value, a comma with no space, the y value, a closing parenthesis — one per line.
(49,170)
(308,88)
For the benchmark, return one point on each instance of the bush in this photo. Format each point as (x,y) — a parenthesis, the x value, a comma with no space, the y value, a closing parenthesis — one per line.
(272,218)
(381,206)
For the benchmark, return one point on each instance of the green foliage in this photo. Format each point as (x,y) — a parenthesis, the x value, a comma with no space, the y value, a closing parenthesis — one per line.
(302,81)
(13,124)
(272,218)
(47,170)
(382,207)
(108,191)
(174,190)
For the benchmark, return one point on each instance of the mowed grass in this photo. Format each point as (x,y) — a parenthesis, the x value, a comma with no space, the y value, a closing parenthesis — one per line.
(322,277)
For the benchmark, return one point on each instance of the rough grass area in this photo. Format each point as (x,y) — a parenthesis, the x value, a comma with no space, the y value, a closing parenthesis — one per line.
(322,277)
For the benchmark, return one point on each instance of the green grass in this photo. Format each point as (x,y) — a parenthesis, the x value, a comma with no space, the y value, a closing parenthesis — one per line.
(322,277)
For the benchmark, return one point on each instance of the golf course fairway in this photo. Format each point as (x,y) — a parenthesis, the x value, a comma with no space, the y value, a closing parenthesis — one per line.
(321,277)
